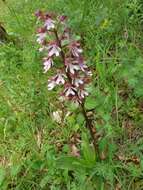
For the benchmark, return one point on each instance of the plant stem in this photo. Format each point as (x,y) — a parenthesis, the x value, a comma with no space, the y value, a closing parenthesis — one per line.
(89,123)
(90,127)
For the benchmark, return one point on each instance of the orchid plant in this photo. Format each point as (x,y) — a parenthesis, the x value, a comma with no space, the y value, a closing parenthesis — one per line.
(64,55)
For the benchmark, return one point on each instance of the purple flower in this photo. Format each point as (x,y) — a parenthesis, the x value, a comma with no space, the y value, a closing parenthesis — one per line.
(48,63)
(53,50)
(49,24)
(77,82)
(83,67)
(60,78)
(70,66)
(82,93)
(41,37)
(39,14)
(75,49)
(69,90)
(62,18)
(80,62)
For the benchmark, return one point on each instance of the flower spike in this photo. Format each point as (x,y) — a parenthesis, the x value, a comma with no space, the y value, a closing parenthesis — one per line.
(57,42)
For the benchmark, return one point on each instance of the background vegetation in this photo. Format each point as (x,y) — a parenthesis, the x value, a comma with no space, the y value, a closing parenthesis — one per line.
(34,147)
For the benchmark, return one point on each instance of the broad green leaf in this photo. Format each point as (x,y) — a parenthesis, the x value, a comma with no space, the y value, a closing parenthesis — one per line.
(90,103)
(88,151)
(70,163)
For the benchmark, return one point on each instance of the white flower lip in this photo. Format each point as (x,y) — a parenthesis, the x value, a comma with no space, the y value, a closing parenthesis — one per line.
(47,64)
(59,78)
(72,68)
(54,50)
(69,91)
(51,85)
(77,82)
(49,24)
(41,37)
(82,93)
(76,51)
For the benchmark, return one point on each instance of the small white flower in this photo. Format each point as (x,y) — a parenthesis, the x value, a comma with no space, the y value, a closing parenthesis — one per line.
(83,67)
(41,37)
(47,64)
(53,50)
(72,68)
(77,82)
(49,24)
(59,78)
(82,93)
(51,84)
(89,73)
(56,80)
(69,91)
(81,64)
(76,51)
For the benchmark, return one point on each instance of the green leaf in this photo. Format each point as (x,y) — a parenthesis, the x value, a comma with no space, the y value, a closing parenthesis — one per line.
(15,170)
(38,164)
(80,119)
(103,143)
(2,175)
(76,127)
(72,107)
(71,120)
(70,163)
(44,181)
(88,151)
(90,103)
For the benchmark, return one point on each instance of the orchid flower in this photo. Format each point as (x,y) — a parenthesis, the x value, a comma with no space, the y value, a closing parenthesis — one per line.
(48,63)
(53,50)
(72,73)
